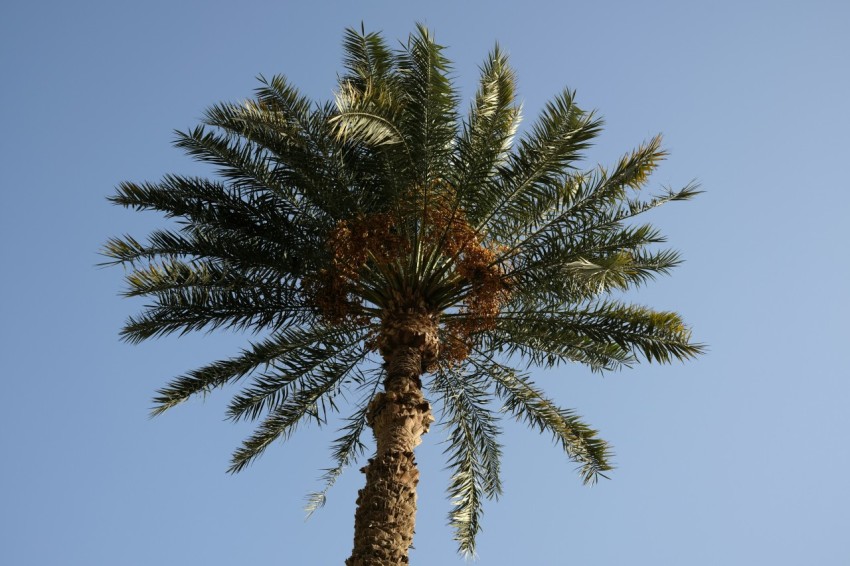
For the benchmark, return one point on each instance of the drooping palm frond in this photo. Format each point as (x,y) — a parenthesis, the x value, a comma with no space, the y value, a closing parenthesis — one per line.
(269,390)
(345,449)
(311,397)
(579,441)
(473,449)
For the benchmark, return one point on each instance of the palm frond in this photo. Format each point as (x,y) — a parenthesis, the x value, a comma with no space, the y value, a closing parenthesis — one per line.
(549,350)
(370,86)
(192,303)
(430,106)
(623,330)
(345,449)
(537,165)
(485,142)
(242,162)
(200,202)
(311,398)
(295,142)
(585,203)
(526,402)
(269,389)
(367,58)
(575,276)
(263,257)
(283,347)
(474,453)
(367,127)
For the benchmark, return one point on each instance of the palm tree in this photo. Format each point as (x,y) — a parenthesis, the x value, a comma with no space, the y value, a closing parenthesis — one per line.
(379,239)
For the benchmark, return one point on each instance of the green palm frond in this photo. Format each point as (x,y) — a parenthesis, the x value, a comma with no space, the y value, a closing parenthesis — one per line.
(589,273)
(364,125)
(618,270)
(345,449)
(622,330)
(269,389)
(202,204)
(199,201)
(401,104)
(584,203)
(429,121)
(542,349)
(473,449)
(537,166)
(283,137)
(261,257)
(312,396)
(369,92)
(488,133)
(246,165)
(526,402)
(367,124)
(282,349)
(203,296)
(367,58)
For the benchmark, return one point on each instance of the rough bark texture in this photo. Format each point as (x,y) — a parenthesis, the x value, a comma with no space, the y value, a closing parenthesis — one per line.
(399,416)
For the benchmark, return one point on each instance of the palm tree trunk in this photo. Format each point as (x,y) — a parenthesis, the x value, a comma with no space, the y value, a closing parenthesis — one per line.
(399,416)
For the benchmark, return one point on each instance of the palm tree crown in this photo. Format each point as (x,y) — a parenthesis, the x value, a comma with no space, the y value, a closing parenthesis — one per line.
(382,222)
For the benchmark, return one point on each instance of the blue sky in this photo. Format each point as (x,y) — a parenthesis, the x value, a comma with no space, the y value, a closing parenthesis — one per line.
(735,458)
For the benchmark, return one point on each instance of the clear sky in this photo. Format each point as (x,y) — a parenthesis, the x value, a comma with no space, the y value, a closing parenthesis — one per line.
(735,459)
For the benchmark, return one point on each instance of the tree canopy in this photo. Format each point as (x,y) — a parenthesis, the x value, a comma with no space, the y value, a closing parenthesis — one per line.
(342,232)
